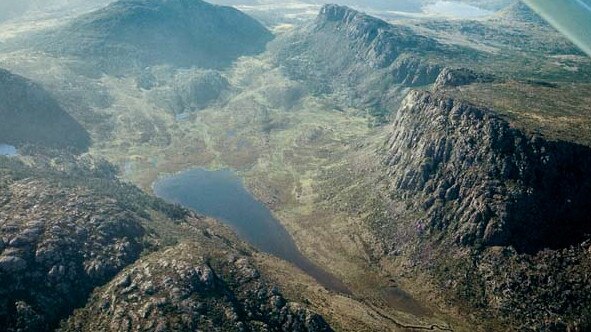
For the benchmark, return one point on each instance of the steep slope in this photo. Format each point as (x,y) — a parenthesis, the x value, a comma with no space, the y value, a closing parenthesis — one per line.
(67,225)
(344,48)
(486,182)
(134,34)
(464,203)
(30,115)
(182,290)
(499,217)
(363,61)
(520,12)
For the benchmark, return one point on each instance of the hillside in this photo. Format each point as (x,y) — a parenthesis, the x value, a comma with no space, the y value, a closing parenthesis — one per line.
(134,34)
(67,225)
(439,168)
(31,115)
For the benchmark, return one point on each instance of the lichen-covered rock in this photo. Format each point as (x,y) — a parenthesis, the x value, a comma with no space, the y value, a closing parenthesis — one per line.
(60,239)
(498,217)
(483,181)
(58,250)
(68,226)
(181,290)
(449,77)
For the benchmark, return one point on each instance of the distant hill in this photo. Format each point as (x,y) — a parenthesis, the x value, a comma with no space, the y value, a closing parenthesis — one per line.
(131,34)
(520,12)
(30,115)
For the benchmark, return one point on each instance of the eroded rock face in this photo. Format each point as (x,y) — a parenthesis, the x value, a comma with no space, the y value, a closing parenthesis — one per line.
(179,290)
(486,182)
(450,77)
(58,245)
(376,41)
(352,54)
(68,226)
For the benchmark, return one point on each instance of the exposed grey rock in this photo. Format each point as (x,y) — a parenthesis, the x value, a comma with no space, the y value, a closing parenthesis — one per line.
(88,232)
(457,77)
(11,264)
(497,185)
(191,292)
(504,214)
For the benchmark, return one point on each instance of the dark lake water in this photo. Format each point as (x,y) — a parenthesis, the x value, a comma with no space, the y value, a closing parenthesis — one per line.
(222,195)
(7,150)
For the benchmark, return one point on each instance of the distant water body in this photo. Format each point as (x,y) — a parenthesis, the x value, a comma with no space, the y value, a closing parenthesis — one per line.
(7,150)
(455,9)
(222,195)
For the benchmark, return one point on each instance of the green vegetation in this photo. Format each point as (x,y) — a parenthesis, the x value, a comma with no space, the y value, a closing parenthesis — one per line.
(306,124)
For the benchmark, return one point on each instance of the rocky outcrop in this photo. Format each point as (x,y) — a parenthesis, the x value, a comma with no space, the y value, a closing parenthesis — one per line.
(57,245)
(500,217)
(68,226)
(30,115)
(484,182)
(190,90)
(352,54)
(177,290)
(374,41)
(454,77)
(133,34)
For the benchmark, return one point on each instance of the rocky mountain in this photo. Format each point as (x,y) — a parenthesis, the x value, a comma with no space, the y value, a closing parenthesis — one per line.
(67,226)
(495,213)
(486,182)
(343,42)
(363,59)
(30,115)
(134,34)
(515,201)
(179,290)
(520,12)
(496,217)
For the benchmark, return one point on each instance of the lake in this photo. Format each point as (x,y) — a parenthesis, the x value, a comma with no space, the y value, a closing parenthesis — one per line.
(222,195)
(455,9)
(7,150)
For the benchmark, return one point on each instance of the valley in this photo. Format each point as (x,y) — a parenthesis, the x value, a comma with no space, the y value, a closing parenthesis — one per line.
(398,162)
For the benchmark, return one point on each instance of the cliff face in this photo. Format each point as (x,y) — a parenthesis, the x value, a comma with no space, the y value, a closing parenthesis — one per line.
(500,217)
(484,182)
(358,56)
(376,42)
(30,115)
